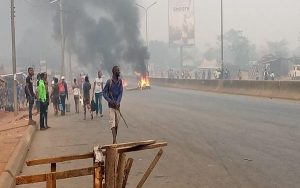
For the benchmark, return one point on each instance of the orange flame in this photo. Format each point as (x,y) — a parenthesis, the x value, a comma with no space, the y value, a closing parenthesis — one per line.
(144,82)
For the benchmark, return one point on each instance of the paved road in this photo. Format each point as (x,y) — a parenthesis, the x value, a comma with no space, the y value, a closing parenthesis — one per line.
(215,140)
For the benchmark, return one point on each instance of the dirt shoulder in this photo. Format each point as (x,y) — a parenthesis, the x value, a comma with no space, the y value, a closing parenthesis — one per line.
(11,131)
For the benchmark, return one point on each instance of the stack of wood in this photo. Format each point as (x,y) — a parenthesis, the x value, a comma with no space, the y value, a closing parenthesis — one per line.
(118,165)
(110,170)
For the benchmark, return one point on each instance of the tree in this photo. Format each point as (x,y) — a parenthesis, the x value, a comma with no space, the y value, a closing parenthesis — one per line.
(237,49)
(278,48)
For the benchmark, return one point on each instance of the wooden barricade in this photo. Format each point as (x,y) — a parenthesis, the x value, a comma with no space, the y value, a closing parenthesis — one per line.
(110,169)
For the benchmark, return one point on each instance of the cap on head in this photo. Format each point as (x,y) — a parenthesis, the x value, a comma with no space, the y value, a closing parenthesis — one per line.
(62,77)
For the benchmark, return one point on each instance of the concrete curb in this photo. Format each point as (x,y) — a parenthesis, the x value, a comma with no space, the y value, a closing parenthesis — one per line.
(17,159)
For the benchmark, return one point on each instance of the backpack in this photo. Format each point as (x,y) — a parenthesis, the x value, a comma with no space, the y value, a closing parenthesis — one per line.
(55,90)
(61,88)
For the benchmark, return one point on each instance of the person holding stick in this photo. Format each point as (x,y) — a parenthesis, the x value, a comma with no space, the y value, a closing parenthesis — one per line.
(112,92)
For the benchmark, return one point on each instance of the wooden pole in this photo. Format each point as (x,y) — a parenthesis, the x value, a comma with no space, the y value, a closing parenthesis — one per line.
(127,171)
(110,167)
(150,168)
(98,178)
(120,170)
(50,181)
(53,169)
(14,61)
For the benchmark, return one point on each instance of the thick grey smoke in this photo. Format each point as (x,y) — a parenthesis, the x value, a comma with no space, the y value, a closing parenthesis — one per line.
(103,31)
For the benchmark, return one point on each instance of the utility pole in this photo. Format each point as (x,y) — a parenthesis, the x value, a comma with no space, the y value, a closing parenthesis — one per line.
(70,60)
(62,38)
(14,63)
(222,42)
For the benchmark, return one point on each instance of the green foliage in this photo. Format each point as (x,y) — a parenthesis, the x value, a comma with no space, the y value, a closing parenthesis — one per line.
(278,48)
(237,49)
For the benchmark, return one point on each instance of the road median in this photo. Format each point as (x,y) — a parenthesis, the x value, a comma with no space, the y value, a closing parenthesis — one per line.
(272,89)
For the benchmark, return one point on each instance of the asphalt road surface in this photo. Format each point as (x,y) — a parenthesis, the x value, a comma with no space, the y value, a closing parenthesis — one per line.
(215,140)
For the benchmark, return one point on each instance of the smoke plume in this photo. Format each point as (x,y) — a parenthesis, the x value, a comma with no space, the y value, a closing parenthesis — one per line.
(103,31)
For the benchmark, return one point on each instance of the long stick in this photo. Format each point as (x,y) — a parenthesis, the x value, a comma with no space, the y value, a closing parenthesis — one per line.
(118,109)
(122,117)
(150,168)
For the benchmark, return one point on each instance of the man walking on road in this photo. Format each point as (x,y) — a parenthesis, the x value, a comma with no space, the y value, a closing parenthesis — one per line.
(55,96)
(76,93)
(30,94)
(42,96)
(97,89)
(86,96)
(63,94)
(112,93)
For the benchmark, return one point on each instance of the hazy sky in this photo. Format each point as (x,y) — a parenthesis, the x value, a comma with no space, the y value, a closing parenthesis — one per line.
(261,20)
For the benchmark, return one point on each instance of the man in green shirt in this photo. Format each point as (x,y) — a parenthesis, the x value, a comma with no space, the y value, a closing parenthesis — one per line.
(43,100)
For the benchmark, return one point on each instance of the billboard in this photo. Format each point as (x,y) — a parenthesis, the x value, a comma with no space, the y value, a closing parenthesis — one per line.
(181,23)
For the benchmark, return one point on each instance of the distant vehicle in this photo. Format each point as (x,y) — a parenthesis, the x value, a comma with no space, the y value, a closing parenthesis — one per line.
(295,72)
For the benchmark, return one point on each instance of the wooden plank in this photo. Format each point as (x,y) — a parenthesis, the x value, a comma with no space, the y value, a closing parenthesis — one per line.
(133,144)
(120,170)
(20,180)
(59,175)
(139,148)
(75,173)
(53,169)
(127,171)
(110,167)
(150,168)
(59,159)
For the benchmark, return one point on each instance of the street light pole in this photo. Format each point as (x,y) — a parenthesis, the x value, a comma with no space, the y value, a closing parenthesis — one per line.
(146,13)
(62,36)
(222,42)
(14,63)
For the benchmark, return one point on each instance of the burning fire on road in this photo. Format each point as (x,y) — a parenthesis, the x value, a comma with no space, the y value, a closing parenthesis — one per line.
(143,81)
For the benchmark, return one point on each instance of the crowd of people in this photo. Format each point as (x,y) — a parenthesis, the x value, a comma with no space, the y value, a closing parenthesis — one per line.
(42,94)
(206,74)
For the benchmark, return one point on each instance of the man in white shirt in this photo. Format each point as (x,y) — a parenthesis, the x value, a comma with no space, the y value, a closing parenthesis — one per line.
(97,89)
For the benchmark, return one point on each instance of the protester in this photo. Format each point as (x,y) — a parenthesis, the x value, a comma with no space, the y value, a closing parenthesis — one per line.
(76,93)
(30,94)
(86,96)
(37,103)
(47,99)
(55,96)
(112,93)
(63,94)
(43,100)
(97,89)
(272,76)
(266,74)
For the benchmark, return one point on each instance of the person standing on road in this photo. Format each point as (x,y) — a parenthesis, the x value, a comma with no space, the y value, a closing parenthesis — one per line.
(97,89)
(63,94)
(30,94)
(43,100)
(76,93)
(272,76)
(86,96)
(55,96)
(113,92)
(266,74)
